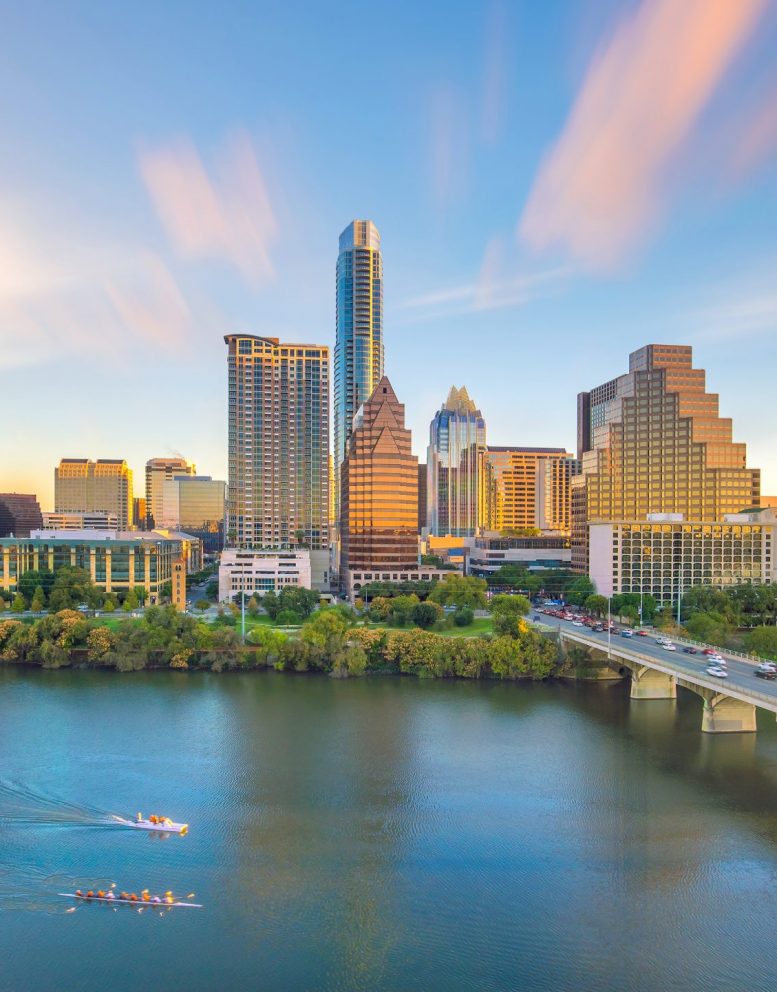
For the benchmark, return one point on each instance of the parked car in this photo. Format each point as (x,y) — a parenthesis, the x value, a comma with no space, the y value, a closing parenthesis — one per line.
(691,650)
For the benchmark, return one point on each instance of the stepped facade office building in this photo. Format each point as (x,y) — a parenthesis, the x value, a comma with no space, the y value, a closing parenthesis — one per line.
(651,442)
(278,445)
(358,357)
(161,492)
(455,471)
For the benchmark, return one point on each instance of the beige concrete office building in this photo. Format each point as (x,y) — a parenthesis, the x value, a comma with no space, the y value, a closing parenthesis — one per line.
(529,487)
(104,486)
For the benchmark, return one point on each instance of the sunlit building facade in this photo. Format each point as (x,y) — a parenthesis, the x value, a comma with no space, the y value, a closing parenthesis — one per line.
(115,563)
(664,555)
(529,488)
(161,492)
(652,441)
(105,485)
(358,357)
(379,489)
(201,507)
(456,491)
(278,482)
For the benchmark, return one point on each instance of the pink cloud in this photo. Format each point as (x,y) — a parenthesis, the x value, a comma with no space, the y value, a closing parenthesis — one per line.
(755,138)
(227,215)
(494,97)
(449,143)
(151,306)
(598,192)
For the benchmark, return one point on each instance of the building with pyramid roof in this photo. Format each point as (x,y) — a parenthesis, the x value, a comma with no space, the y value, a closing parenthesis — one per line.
(456,497)
(379,489)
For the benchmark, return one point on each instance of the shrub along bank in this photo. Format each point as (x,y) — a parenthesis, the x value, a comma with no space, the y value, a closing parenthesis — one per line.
(329,642)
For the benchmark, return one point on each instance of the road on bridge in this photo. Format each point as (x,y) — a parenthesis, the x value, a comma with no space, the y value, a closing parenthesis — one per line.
(741,673)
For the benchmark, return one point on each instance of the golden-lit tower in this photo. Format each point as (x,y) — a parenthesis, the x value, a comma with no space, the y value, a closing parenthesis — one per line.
(652,441)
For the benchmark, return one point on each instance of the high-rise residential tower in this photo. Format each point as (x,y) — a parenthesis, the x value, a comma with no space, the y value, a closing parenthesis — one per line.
(379,489)
(161,493)
(359,329)
(529,488)
(81,486)
(652,442)
(455,504)
(278,485)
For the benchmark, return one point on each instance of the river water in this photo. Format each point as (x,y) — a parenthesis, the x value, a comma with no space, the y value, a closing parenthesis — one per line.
(382,834)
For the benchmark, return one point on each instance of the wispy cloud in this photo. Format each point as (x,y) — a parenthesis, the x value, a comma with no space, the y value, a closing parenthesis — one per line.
(448,143)
(494,96)
(60,296)
(490,291)
(225,215)
(754,138)
(599,191)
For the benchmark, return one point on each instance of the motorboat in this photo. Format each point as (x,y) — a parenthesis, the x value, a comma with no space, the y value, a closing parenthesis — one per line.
(159,824)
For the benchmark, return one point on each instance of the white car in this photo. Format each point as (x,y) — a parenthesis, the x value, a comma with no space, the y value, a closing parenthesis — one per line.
(717,671)
(577,623)
(668,646)
(662,641)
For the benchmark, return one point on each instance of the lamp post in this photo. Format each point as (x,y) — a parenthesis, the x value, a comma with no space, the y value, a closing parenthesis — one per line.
(609,629)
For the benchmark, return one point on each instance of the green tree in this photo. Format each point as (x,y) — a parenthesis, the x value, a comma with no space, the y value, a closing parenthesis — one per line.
(463,617)
(19,604)
(202,604)
(142,594)
(579,591)
(72,587)
(629,613)
(426,614)
(301,601)
(38,603)
(31,580)
(460,590)
(596,604)
(288,618)
(707,599)
(212,589)
(130,601)
(763,642)
(711,628)
(253,607)
(507,611)
(109,604)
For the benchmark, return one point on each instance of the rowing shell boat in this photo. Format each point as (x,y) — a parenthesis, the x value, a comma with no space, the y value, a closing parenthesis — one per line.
(166,828)
(129,902)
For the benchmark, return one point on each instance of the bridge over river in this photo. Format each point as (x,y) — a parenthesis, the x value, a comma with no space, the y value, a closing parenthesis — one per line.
(729,704)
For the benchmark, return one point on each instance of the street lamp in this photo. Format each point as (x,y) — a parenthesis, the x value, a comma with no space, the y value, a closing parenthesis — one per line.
(609,629)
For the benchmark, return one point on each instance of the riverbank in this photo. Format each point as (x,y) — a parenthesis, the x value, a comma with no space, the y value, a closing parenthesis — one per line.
(328,642)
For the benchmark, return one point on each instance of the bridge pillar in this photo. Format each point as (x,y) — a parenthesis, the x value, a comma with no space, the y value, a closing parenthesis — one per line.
(647,683)
(724,715)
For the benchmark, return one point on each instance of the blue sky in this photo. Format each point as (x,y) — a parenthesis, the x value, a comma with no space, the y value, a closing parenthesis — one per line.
(555,185)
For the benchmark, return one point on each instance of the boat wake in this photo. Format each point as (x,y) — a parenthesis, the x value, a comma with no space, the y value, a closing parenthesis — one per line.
(21,804)
(31,890)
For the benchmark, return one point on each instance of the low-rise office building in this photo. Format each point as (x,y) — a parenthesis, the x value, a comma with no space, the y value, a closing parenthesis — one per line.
(356,579)
(665,554)
(487,554)
(257,572)
(86,520)
(116,562)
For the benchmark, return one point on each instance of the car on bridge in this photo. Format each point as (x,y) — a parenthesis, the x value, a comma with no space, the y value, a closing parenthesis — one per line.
(766,671)
(627,633)
(668,646)
(717,671)
(690,650)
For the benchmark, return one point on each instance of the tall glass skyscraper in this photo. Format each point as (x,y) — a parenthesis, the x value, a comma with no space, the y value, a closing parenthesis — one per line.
(456,504)
(359,330)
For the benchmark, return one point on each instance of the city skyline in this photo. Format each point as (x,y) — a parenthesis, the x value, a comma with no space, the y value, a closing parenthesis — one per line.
(164,228)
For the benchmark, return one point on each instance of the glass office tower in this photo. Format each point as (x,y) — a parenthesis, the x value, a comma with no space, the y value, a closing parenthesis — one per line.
(379,489)
(652,441)
(359,330)
(278,484)
(454,468)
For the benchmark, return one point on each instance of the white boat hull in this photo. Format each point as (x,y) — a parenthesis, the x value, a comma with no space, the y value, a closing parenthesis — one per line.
(130,902)
(165,828)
